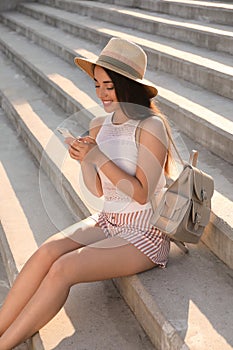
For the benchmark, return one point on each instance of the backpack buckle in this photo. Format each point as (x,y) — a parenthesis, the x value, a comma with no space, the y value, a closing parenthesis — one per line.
(197,221)
(203,195)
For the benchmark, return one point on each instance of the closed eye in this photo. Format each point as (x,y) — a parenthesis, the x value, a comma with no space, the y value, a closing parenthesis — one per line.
(107,88)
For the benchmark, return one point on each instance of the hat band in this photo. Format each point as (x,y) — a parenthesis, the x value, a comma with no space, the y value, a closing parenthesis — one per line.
(119,64)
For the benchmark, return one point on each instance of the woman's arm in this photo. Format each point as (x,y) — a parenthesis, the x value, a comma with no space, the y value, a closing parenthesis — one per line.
(152,153)
(90,174)
(91,178)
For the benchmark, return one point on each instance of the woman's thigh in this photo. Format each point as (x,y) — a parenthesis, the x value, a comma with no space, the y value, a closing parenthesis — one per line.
(109,258)
(78,235)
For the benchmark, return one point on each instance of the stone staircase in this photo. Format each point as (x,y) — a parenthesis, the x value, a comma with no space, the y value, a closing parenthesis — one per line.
(190,48)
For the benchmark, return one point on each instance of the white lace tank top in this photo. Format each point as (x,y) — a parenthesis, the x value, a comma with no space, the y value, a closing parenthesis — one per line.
(118,142)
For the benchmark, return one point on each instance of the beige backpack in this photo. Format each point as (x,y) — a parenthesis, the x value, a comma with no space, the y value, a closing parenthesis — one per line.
(183,211)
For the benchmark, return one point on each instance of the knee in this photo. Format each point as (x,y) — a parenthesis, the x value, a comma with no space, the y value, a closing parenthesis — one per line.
(47,253)
(59,272)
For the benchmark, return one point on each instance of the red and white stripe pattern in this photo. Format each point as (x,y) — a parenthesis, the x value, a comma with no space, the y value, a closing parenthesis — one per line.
(135,227)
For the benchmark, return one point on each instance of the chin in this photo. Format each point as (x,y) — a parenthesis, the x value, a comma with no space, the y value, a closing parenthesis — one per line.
(109,109)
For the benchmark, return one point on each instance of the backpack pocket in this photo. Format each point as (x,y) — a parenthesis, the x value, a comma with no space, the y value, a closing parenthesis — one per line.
(170,212)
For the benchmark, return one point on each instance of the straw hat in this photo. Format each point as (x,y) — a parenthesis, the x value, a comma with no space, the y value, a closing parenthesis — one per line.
(123,57)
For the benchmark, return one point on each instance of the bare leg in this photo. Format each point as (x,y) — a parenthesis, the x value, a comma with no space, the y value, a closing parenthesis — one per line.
(38,266)
(87,264)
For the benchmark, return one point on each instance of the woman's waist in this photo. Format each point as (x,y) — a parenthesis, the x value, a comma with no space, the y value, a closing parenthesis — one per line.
(117,201)
(124,205)
(139,219)
(112,194)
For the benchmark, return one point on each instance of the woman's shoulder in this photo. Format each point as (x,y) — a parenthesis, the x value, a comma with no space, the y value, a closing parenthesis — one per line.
(96,124)
(153,123)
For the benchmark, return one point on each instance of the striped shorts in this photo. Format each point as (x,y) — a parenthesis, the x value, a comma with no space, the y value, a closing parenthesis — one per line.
(135,227)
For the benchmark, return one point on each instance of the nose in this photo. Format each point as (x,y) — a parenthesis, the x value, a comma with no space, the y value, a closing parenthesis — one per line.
(102,92)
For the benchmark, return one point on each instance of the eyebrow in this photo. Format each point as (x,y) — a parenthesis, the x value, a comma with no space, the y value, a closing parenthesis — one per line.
(105,82)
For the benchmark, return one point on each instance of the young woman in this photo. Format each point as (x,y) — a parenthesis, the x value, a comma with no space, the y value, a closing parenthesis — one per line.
(125,159)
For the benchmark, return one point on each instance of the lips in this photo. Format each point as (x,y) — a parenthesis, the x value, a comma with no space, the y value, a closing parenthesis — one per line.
(107,103)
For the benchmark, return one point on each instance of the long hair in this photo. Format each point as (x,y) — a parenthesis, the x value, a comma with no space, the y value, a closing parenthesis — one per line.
(136,104)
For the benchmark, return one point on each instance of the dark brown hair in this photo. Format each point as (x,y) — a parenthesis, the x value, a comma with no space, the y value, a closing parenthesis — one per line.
(136,104)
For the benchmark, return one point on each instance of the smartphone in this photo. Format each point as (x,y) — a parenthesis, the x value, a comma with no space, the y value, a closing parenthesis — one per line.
(65,132)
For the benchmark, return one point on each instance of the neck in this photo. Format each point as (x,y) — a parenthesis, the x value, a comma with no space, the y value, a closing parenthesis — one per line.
(119,118)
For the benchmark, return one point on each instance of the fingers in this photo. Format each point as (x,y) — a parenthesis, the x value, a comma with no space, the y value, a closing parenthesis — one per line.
(73,153)
(87,139)
(69,140)
(78,148)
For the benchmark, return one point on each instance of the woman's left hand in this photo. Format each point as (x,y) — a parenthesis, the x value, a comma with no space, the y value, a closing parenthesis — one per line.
(81,147)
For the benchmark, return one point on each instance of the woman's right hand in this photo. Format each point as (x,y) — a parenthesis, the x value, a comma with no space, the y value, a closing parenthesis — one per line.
(79,148)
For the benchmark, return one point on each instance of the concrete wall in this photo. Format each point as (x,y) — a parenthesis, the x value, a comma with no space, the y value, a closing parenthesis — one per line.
(11,4)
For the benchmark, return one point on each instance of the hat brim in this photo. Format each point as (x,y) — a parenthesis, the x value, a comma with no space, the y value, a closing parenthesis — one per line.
(87,66)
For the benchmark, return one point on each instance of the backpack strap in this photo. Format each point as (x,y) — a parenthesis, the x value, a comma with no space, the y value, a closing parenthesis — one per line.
(180,245)
(193,155)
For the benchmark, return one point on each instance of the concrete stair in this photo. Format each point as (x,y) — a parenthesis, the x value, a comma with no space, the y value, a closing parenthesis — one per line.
(211,36)
(185,103)
(40,90)
(39,212)
(206,11)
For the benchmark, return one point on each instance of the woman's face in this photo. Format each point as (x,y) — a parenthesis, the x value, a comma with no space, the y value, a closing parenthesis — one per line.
(105,90)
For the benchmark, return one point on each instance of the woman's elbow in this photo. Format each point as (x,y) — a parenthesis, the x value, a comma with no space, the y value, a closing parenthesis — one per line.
(142,199)
(99,193)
